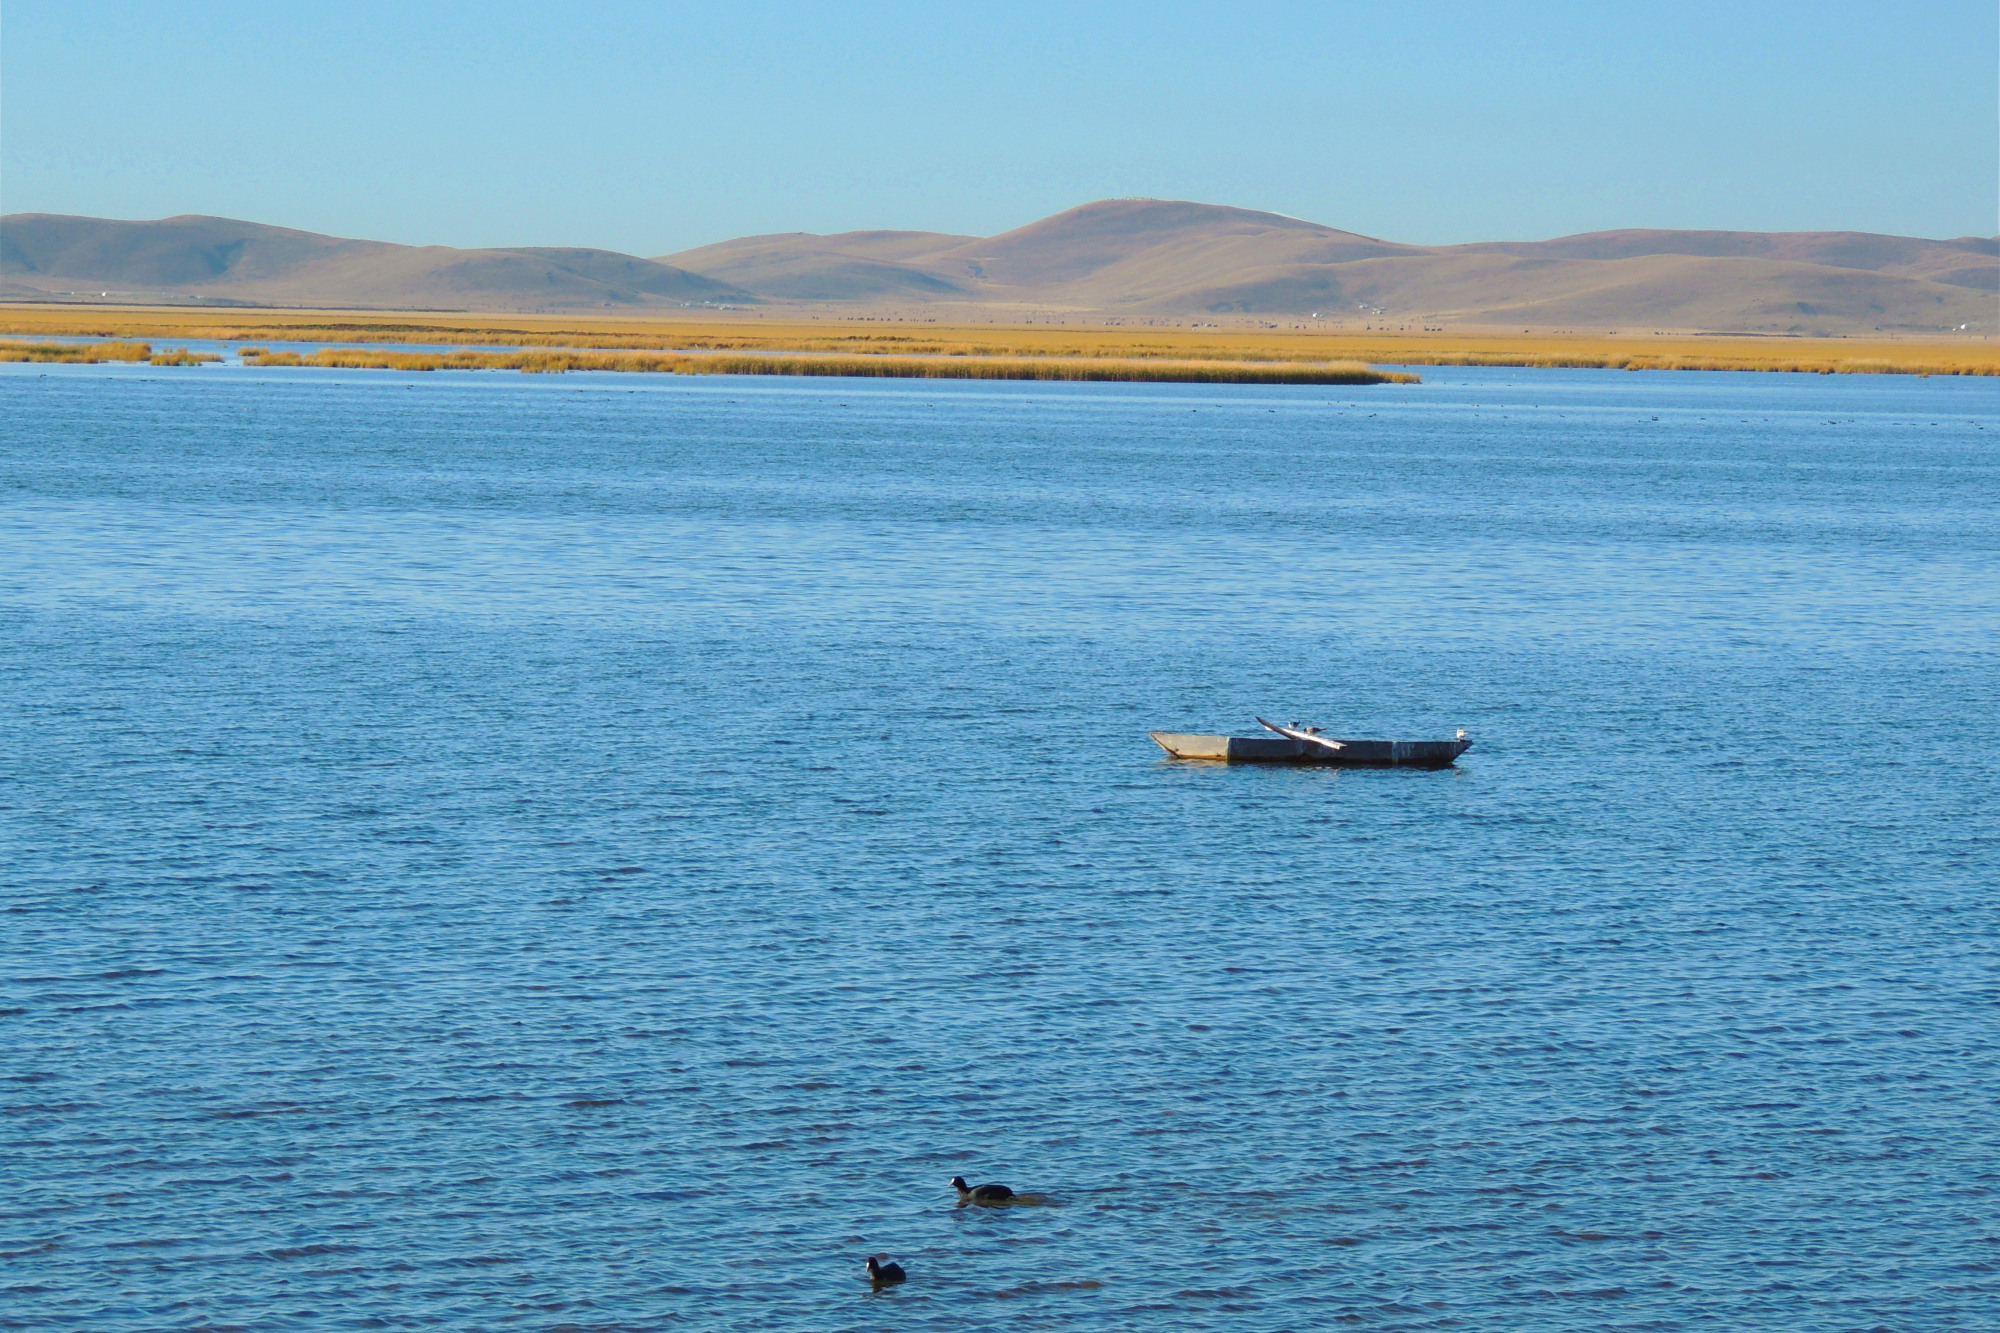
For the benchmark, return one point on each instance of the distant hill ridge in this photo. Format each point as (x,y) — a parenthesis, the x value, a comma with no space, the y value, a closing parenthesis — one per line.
(248,263)
(1132,257)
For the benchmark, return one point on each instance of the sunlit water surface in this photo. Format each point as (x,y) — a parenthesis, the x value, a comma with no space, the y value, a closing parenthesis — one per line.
(600,852)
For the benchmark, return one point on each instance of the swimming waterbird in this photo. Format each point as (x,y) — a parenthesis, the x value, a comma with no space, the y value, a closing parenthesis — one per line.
(985,1194)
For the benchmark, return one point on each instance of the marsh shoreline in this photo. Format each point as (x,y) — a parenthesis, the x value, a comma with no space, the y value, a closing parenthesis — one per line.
(859,346)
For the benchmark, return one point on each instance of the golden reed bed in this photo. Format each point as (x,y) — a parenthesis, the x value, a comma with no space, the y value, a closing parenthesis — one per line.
(90,354)
(726,363)
(862,341)
(895,367)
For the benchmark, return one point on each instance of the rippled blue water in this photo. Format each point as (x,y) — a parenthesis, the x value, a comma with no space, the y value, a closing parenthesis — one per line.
(489,851)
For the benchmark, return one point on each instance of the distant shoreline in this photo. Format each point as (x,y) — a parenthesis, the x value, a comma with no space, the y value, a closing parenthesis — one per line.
(356,357)
(1039,351)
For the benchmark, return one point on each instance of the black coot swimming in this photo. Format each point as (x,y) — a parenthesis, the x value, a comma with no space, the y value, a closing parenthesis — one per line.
(882,1274)
(980,1193)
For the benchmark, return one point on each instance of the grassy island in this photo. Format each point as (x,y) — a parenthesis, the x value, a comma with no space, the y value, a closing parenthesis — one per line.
(90,354)
(862,366)
(775,343)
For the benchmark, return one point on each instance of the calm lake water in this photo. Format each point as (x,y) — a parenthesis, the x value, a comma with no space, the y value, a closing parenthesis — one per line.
(601,852)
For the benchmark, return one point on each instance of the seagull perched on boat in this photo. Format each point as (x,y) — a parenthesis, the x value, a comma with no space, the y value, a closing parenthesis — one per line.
(980,1194)
(885,1275)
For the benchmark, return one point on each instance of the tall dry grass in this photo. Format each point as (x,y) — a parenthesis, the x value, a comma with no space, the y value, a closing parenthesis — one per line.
(90,354)
(83,354)
(1920,356)
(897,367)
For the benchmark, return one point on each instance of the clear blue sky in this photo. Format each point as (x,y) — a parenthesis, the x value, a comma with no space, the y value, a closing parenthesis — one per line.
(649,128)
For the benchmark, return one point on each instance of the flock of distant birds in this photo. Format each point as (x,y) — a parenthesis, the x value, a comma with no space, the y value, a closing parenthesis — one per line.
(986,1196)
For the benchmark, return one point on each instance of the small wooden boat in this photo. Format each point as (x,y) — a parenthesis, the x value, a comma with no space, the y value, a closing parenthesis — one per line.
(1304,745)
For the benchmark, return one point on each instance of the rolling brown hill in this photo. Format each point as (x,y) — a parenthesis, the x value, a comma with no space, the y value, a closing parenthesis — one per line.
(854,266)
(1162,257)
(225,262)
(1117,257)
(1130,253)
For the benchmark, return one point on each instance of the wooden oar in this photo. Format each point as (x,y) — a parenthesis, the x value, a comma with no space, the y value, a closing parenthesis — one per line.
(1293,733)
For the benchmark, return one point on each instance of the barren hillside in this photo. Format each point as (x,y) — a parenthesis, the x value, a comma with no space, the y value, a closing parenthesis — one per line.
(223,261)
(1117,257)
